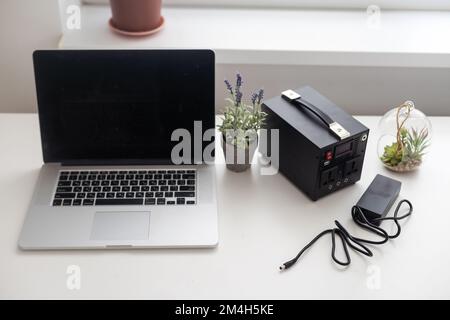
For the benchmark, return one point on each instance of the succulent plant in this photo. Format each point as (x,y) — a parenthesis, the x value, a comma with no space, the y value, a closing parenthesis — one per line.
(407,152)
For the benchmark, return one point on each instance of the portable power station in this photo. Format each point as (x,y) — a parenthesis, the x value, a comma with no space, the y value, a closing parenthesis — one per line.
(321,147)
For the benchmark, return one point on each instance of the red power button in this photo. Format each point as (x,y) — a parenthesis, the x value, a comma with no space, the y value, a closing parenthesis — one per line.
(328,155)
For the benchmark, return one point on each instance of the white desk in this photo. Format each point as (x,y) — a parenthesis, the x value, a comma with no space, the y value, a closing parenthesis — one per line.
(264,221)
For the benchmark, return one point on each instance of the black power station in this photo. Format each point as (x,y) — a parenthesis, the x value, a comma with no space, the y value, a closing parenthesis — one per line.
(321,147)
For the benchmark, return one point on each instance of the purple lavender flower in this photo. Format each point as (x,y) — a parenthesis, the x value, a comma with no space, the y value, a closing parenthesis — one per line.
(238,97)
(260,95)
(254,97)
(229,87)
(238,81)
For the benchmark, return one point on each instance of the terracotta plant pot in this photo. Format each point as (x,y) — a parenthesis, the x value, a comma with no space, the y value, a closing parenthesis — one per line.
(238,159)
(136,16)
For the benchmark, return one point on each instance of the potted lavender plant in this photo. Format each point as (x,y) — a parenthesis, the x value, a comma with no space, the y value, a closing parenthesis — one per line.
(240,126)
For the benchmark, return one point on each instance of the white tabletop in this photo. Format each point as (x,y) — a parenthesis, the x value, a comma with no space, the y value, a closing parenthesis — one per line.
(264,221)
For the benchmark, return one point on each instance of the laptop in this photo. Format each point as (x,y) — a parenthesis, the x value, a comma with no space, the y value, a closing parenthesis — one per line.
(116,172)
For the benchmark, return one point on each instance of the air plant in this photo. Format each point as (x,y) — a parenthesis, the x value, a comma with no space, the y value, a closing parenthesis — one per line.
(407,151)
(242,121)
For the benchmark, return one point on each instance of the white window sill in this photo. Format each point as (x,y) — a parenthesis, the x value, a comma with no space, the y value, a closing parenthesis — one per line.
(289,37)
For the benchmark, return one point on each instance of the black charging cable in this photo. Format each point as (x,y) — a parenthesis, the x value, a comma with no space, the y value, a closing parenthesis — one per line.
(355,243)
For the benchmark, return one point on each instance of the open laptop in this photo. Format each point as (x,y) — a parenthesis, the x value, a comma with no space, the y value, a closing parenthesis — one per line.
(109,179)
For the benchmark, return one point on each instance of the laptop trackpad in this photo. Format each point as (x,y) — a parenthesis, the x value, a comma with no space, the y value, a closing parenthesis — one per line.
(120,225)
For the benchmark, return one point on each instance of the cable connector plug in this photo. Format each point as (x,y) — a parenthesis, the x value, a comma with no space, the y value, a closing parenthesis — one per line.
(288,264)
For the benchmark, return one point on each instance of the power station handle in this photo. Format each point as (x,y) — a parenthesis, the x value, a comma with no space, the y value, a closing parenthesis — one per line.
(296,99)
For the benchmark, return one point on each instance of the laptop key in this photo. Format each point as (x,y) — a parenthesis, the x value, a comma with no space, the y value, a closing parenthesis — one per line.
(88,202)
(187,188)
(57,202)
(126,189)
(110,195)
(65,195)
(190,202)
(120,195)
(161,201)
(135,189)
(181,201)
(129,195)
(188,176)
(164,188)
(63,178)
(184,194)
(154,188)
(170,202)
(149,194)
(139,194)
(91,195)
(76,202)
(150,201)
(67,202)
(116,189)
(77,189)
(81,195)
(190,182)
(96,189)
(101,195)
(105,202)
(145,188)
(173,188)
(159,194)
(64,184)
(64,189)
(168,194)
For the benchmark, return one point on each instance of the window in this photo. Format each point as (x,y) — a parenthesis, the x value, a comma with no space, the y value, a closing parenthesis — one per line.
(326,4)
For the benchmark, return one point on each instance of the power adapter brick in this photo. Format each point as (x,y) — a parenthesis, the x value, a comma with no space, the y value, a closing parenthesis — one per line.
(379,197)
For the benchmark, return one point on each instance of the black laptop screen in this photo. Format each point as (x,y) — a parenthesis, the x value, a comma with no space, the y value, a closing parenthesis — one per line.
(121,105)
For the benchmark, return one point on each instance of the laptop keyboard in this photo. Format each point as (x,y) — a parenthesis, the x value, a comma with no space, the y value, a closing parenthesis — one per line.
(125,187)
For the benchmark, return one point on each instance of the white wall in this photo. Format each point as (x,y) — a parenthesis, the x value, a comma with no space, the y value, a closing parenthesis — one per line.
(359,90)
(25,25)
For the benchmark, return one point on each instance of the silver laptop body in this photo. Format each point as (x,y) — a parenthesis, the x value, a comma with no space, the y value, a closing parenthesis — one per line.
(132,200)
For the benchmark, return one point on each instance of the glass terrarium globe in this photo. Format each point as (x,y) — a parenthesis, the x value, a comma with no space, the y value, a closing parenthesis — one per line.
(405,138)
